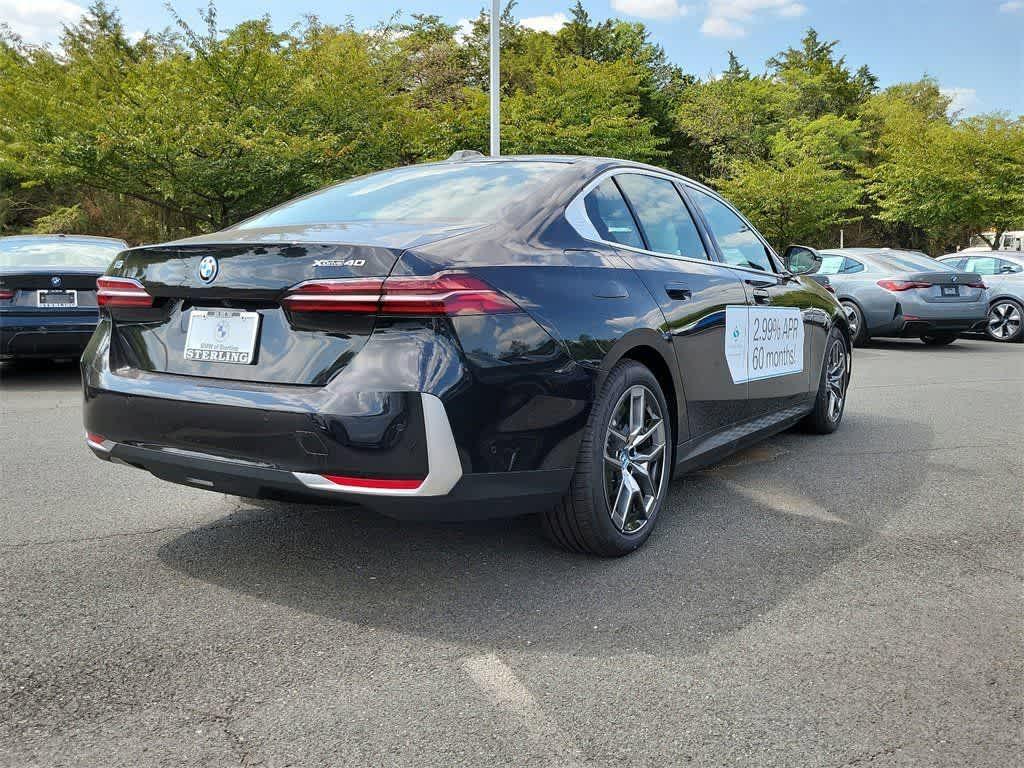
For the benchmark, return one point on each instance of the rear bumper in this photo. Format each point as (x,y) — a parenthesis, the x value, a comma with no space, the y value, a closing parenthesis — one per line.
(474,496)
(913,327)
(45,336)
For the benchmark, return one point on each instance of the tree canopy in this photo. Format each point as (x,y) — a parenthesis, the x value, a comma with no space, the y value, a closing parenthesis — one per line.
(191,129)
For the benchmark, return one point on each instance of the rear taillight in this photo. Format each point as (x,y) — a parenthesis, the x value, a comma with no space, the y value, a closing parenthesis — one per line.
(361,295)
(902,285)
(6,295)
(121,292)
(978,284)
(448,294)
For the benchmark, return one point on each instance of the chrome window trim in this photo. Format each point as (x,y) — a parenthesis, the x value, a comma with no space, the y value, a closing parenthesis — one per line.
(576,215)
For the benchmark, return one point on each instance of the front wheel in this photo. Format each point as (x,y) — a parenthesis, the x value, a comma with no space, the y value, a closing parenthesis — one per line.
(835,381)
(622,470)
(1004,321)
(938,339)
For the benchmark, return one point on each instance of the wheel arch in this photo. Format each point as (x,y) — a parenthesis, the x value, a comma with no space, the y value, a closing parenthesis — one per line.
(652,350)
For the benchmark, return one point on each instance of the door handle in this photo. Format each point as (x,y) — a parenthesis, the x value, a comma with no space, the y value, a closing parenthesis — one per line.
(759,283)
(761,296)
(678,291)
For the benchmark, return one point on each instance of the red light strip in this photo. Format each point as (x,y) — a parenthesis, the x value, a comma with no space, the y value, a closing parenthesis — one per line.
(384,483)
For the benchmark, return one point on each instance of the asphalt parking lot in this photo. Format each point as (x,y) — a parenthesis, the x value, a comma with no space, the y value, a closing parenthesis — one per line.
(837,601)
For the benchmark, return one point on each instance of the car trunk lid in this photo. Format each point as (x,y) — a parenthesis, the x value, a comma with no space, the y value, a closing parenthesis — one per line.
(224,292)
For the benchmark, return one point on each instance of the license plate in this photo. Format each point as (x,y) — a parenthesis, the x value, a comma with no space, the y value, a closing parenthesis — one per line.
(951,290)
(222,336)
(56,299)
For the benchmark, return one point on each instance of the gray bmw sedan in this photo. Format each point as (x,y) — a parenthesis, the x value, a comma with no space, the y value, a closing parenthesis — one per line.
(891,293)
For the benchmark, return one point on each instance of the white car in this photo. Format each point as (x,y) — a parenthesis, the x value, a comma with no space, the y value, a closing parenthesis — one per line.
(1003,272)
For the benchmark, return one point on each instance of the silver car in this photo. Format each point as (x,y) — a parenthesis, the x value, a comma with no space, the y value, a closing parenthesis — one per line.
(891,293)
(1003,272)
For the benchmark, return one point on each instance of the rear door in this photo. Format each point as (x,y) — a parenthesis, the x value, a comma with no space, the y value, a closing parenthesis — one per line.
(693,292)
(784,344)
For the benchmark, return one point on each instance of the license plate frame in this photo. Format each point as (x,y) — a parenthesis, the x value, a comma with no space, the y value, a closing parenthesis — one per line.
(72,304)
(222,336)
(950,291)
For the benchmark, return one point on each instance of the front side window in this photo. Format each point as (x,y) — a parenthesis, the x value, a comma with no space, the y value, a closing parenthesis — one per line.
(610,215)
(740,245)
(666,223)
(456,192)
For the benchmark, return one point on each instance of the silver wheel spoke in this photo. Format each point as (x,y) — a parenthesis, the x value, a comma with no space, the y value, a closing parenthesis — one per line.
(643,458)
(637,411)
(624,500)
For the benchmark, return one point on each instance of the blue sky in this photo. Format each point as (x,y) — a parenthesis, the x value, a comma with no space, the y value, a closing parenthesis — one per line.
(974,48)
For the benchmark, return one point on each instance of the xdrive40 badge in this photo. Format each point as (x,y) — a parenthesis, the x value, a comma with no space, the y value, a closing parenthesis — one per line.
(208,269)
(339,262)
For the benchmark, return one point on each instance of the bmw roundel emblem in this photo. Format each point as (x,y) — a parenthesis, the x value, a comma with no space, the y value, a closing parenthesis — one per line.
(55,281)
(207,269)
(955,279)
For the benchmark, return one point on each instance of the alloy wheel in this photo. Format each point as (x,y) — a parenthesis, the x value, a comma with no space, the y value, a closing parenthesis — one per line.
(634,459)
(1004,320)
(836,379)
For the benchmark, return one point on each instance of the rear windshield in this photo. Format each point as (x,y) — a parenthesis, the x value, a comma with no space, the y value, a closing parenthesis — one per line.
(33,254)
(460,192)
(910,263)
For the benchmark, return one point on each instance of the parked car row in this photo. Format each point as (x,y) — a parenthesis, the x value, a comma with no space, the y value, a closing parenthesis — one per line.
(476,337)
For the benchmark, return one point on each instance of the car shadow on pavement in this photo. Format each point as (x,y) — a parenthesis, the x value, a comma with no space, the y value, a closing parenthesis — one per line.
(734,540)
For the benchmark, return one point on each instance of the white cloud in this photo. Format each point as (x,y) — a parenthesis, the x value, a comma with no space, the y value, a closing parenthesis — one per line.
(551,23)
(651,9)
(39,21)
(465,29)
(962,99)
(716,26)
(1012,6)
(730,18)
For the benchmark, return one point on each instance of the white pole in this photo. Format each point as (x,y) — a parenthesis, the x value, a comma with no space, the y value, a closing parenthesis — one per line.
(495,78)
(840,238)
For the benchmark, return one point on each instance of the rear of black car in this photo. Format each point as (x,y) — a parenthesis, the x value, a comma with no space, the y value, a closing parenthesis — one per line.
(48,293)
(283,360)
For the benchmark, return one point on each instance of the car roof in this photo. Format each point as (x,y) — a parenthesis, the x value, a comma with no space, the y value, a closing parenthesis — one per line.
(1011,255)
(64,239)
(594,163)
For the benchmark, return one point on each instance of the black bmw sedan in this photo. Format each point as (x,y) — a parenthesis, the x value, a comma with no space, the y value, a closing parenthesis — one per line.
(471,338)
(48,293)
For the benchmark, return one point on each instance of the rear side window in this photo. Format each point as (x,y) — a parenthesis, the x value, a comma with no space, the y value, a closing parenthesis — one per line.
(984,265)
(664,219)
(740,245)
(850,266)
(610,215)
(830,265)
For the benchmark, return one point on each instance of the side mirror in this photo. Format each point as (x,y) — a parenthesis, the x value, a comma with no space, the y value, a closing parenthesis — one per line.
(1007,270)
(802,260)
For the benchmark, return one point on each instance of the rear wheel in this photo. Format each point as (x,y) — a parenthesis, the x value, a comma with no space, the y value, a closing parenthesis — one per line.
(835,380)
(1004,321)
(855,319)
(622,471)
(938,339)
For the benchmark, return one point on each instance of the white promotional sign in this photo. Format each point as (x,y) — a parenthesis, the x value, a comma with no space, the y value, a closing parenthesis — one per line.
(763,342)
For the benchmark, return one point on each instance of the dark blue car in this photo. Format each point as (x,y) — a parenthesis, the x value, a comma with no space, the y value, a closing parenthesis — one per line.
(48,292)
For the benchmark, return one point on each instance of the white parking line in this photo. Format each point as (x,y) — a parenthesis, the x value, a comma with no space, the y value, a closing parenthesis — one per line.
(500,683)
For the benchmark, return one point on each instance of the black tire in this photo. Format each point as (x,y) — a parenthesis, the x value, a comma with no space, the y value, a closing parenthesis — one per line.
(582,520)
(858,337)
(1007,308)
(825,418)
(938,339)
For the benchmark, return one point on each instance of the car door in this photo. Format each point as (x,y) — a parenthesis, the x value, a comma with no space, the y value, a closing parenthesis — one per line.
(692,290)
(786,337)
